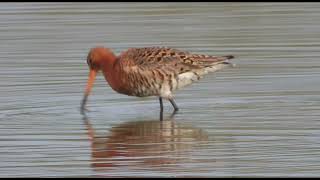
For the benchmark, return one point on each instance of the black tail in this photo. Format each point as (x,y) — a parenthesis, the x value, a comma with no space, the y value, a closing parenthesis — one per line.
(227,62)
(229,56)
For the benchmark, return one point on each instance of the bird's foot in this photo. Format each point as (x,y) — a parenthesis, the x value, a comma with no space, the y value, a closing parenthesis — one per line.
(174,113)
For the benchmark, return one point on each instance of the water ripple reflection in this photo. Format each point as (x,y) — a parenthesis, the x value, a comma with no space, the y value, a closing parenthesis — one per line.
(145,144)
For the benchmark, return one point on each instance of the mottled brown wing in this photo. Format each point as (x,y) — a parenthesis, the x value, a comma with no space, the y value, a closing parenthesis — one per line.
(169,59)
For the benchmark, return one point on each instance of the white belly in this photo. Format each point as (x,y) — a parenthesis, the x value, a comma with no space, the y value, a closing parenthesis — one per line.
(188,78)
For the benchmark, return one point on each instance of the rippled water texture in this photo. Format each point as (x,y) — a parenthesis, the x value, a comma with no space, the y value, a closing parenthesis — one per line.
(260,118)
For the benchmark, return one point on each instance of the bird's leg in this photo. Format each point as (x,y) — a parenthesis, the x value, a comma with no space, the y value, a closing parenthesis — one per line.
(174,104)
(172,114)
(161,108)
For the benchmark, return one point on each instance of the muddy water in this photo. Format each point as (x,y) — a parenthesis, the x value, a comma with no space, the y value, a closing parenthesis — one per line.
(260,118)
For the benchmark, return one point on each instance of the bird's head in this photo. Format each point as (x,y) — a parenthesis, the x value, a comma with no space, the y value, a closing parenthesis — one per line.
(99,58)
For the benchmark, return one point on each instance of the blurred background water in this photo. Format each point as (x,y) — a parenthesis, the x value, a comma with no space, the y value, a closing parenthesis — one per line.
(260,118)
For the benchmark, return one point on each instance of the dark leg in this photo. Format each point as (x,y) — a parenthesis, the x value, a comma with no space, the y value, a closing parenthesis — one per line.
(161,109)
(172,114)
(174,105)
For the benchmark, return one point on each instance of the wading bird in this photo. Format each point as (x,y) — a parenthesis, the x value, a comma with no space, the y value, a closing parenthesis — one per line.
(150,71)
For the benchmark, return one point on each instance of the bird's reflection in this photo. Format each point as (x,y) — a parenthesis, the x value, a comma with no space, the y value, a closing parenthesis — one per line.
(144,143)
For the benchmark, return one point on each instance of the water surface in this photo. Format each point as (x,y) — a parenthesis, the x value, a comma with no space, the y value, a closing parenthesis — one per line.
(260,118)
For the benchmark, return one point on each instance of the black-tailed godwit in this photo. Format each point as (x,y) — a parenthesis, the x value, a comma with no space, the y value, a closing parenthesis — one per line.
(151,71)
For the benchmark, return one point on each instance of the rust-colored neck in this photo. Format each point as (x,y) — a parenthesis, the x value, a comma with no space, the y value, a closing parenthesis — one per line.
(110,70)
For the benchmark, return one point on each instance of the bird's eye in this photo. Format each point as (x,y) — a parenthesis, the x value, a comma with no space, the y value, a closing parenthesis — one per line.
(89,62)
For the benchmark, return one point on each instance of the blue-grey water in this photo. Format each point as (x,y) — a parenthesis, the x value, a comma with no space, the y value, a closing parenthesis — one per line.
(260,118)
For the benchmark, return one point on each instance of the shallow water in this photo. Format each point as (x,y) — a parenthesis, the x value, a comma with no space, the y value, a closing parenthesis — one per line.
(260,118)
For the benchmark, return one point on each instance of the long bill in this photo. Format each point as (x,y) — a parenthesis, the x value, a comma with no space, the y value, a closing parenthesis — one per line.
(92,77)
